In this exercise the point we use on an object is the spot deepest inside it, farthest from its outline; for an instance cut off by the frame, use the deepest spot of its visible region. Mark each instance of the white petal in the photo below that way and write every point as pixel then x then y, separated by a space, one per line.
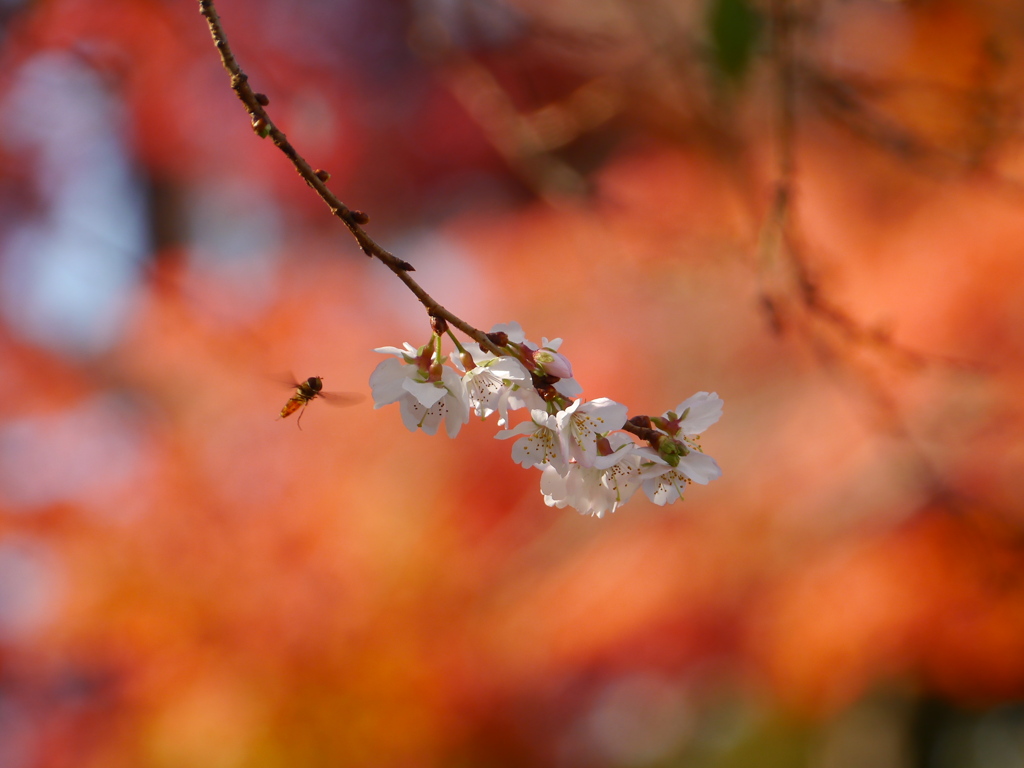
pixel 386 382
pixel 553 486
pixel 390 351
pixel 455 405
pixel 568 388
pixel 413 413
pixel 621 453
pixel 611 414
pixel 525 396
pixel 699 467
pixel 705 410
pixel 624 480
pixel 426 393
pixel 513 330
pixel 523 428
pixel 539 448
pixel 430 419
pixel 665 488
pixel 509 369
pixel 453 382
pixel 453 420
pixel 553 345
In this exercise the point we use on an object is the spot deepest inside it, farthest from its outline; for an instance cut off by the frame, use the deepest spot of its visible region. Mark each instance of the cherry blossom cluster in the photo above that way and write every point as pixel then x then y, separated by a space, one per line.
pixel 585 450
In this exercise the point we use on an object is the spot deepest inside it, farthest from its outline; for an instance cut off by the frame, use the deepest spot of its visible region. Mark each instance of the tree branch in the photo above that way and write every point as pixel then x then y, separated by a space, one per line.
pixel 255 105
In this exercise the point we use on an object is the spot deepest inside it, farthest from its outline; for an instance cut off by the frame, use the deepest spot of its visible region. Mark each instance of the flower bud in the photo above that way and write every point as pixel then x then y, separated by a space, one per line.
pixel 671 451
pixel 641 421
pixel 553 363
pixel 261 127
pixel 424 357
pixel 499 339
pixel 262 100
pixel 321 174
pixel 669 424
pixel 438 325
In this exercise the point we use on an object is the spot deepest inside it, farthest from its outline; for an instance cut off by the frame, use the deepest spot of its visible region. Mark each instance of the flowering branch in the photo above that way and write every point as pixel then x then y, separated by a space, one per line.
pixel 586 459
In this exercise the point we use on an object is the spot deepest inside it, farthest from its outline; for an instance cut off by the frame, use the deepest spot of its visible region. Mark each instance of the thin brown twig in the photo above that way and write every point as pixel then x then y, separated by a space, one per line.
pixel 780 247
pixel 264 126
pixel 510 132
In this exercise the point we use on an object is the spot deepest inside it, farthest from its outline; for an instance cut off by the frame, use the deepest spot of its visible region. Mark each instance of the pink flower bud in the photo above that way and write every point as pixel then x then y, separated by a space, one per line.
pixel 553 363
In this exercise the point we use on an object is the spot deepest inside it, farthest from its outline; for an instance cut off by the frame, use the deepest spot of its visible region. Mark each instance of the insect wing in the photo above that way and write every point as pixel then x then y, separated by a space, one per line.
pixel 341 399
pixel 289 380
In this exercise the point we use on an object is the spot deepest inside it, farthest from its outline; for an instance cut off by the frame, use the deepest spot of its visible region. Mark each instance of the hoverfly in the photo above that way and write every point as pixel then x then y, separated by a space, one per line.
pixel 307 391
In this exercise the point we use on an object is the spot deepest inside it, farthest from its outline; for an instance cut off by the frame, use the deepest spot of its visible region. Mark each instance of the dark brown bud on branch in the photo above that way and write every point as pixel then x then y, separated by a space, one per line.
pixel 262 100
pixel 544 382
pixel 498 339
pixel 261 127
pixel 321 174
pixel 360 218
pixel 438 324
pixel 643 422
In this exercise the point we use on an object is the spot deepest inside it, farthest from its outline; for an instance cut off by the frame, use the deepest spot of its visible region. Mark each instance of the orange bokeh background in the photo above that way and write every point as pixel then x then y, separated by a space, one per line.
pixel 187 581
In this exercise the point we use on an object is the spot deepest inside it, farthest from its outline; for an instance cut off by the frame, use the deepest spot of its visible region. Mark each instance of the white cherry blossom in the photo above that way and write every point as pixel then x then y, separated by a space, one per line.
pixel 664 484
pixel 519 397
pixel 426 391
pixel 582 423
pixel 545 357
pixel 388 379
pixel 491 385
pixel 452 406
pixel 539 442
pixel 600 488
pixel 568 388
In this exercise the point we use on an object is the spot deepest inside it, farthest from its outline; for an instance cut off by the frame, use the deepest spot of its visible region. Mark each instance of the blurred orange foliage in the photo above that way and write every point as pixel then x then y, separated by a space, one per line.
pixel 186 581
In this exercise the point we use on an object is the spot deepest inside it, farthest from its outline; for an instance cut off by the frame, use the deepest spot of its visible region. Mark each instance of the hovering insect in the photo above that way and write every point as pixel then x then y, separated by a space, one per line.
pixel 307 391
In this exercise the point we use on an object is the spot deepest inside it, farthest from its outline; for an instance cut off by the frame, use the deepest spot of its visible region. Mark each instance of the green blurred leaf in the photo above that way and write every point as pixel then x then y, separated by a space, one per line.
pixel 734 27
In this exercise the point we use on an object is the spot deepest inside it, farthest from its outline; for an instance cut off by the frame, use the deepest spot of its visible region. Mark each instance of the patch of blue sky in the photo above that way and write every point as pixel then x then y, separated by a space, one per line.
pixel 67 272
